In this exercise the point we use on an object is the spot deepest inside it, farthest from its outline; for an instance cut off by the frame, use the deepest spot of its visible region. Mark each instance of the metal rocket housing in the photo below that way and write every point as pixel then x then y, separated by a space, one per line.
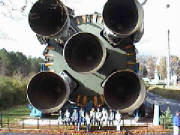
pixel 89 58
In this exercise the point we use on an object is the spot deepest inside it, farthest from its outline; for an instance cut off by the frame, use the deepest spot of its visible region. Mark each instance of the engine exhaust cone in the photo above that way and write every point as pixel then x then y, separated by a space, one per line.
pixel 49 18
pixel 48 92
pixel 123 17
pixel 124 91
pixel 84 52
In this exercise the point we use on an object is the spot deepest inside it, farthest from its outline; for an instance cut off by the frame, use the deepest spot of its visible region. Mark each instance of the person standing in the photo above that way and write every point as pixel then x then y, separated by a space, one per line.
pixel 118 120
pixel 88 122
pixel 104 117
pixel 60 119
pixel 67 117
pixel 111 118
pixel 81 118
pixel 98 117
pixel 74 117
pixel 93 116
pixel 176 123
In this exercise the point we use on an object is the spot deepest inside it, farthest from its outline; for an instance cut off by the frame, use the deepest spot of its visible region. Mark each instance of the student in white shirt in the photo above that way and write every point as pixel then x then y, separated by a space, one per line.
pixel 74 117
pixel 111 118
pixel 98 117
pixel 118 120
pixel 93 116
pixel 67 119
pixel 88 121
pixel 104 118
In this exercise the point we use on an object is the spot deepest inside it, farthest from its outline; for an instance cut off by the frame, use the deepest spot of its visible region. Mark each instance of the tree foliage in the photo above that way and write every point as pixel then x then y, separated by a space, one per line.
pixel 149 64
pixel 166 119
pixel 12 63
pixel 162 68
pixel 12 91
pixel 15 70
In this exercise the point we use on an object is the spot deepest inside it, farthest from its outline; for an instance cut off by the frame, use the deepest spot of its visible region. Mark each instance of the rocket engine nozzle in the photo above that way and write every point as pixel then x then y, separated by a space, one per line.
pixel 48 92
pixel 124 91
pixel 123 17
pixel 49 18
pixel 84 53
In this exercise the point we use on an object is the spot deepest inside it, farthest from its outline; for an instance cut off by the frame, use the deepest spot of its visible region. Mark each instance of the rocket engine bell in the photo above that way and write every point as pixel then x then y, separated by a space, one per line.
pixel 84 52
pixel 123 19
pixel 49 18
pixel 49 91
pixel 124 91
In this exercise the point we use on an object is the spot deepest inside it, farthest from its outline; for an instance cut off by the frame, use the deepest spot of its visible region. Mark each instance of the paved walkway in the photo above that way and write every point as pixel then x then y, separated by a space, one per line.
pixel 88 133
pixel 164 103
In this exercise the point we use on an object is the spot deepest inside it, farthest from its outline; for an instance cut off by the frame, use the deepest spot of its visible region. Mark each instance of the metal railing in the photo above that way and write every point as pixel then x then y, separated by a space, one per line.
pixel 22 122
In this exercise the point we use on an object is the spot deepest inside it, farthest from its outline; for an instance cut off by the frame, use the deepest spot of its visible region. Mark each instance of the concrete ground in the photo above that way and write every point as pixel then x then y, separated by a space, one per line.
pixel 126 122
pixel 163 102
pixel 9 133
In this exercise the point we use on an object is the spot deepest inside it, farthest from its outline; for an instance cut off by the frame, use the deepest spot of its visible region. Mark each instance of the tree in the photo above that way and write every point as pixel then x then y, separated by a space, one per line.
pixel 162 68
pixel 144 71
pixel 12 63
pixel 147 66
pixel 174 65
pixel 5 63
pixel 151 66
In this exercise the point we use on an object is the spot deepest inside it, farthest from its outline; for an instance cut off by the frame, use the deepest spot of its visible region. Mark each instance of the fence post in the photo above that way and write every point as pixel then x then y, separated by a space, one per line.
pixel 49 124
pixel 22 123
pixel 58 124
pixel 1 120
pixel 37 123
pixel 123 121
pixel 163 124
pixel 8 122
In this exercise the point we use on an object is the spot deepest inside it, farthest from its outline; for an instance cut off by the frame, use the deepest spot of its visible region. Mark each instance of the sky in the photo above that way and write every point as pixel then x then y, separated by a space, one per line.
pixel 157 20
pixel 16 35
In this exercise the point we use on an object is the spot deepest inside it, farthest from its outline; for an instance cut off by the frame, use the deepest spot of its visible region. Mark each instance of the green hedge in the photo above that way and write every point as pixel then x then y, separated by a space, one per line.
pixel 12 91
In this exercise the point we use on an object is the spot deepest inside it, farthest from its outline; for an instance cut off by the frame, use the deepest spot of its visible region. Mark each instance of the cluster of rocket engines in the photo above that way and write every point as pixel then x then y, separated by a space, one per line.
pixel 88 56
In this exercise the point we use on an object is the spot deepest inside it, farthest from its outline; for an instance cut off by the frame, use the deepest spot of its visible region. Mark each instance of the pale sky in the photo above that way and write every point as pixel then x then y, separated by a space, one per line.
pixel 157 20
pixel 16 35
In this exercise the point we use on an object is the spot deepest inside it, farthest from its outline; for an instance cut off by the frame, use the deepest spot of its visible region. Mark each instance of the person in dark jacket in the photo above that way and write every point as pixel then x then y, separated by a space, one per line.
pixel 81 118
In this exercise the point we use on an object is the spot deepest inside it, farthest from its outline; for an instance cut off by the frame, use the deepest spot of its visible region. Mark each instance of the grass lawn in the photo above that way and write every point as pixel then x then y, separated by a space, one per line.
pixel 165 92
pixel 14 113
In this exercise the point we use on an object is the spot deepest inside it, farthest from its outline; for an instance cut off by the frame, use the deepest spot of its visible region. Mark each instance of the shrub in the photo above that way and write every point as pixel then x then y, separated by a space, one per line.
pixel 166 119
pixel 12 91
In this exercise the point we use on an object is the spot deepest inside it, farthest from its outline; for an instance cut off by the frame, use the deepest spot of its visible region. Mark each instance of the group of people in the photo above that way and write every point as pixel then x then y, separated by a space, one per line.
pixel 93 118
